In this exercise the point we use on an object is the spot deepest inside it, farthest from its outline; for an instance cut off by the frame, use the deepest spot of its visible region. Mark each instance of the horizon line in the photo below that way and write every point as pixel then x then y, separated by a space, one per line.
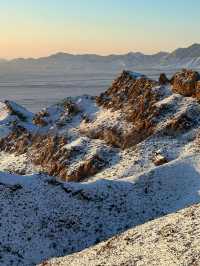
pixel 94 54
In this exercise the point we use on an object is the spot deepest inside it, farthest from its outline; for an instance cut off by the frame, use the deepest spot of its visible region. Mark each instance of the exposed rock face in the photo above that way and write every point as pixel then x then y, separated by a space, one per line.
pixel 40 118
pixel 179 124
pixel 133 109
pixel 113 136
pixel 185 82
pixel 135 98
pixel 16 141
pixel 198 90
pixel 163 80
pixel 88 168
pixel 71 107
pixel 126 90
pixel 44 150
pixel 159 159
pixel 48 152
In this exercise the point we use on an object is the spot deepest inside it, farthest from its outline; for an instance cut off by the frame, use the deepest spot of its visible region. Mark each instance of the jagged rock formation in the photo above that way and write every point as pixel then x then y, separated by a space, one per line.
pixel 137 106
pixel 163 80
pixel 133 95
pixel 186 82
pixel 134 152
pixel 45 147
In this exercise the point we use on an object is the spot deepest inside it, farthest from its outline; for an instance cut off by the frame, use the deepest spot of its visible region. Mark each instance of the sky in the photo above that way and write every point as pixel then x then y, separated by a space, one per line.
pixel 34 28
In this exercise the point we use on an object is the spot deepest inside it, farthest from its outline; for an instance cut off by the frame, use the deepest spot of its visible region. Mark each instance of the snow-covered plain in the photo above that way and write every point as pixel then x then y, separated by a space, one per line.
pixel 36 91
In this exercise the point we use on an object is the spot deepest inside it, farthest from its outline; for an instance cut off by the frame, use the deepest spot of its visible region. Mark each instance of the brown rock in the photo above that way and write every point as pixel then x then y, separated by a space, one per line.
pixel 39 121
pixel 178 125
pixel 184 82
pixel 198 90
pixel 88 168
pixel 135 98
pixel 159 159
pixel 163 80
pixel 70 107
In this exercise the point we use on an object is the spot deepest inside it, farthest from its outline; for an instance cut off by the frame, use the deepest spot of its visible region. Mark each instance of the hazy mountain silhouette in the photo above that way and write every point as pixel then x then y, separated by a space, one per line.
pixel 65 62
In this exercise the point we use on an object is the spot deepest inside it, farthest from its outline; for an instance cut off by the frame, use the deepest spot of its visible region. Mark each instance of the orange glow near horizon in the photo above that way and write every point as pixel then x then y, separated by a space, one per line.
pixel 35 28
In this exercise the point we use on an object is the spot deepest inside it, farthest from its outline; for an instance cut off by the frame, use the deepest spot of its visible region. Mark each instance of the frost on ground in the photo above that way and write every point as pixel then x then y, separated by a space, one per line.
pixel 132 154
pixel 49 219
pixel 172 240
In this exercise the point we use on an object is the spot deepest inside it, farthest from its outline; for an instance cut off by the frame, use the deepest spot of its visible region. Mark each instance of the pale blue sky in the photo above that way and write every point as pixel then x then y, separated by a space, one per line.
pixel 39 27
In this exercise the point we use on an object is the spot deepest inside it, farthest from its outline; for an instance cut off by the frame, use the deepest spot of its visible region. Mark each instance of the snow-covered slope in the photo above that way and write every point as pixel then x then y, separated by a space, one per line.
pixel 41 218
pixel 132 154
pixel 172 240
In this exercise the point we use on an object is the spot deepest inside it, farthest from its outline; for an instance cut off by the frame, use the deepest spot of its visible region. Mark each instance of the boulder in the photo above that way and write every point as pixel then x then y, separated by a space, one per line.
pixel 159 159
pixel 39 121
pixel 185 82
pixel 86 169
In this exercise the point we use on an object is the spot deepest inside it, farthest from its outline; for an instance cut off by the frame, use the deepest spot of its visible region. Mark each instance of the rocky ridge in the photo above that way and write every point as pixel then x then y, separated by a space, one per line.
pixel 86 133
pixel 129 156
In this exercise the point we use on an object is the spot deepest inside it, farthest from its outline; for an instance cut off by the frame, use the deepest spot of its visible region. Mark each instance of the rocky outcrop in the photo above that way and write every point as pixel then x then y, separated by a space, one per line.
pixel 163 80
pixel 70 107
pixel 112 136
pixel 40 119
pixel 17 141
pixel 86 169
pixel 129 112
pixel 185 82
pixel 134 96
pixel 159 159
pixel 125 90
pixel 179 124
pixel 60 115
pixel 49 153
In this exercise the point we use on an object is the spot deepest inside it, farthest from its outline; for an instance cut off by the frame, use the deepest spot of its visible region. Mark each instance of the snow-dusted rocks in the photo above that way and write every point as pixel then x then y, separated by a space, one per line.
pixel 133 153
pixel 42 219
pixel 77 138
pixel 163 80
pixel 133 109
pixel 135 98
pixel 185 82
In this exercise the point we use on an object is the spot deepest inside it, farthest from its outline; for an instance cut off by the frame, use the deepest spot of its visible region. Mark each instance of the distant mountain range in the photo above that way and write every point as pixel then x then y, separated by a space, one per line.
pixel 63 62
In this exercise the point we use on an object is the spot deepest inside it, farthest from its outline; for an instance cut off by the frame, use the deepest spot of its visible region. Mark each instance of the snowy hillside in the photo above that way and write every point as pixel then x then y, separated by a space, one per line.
pixel 88 168
pixel 172 240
